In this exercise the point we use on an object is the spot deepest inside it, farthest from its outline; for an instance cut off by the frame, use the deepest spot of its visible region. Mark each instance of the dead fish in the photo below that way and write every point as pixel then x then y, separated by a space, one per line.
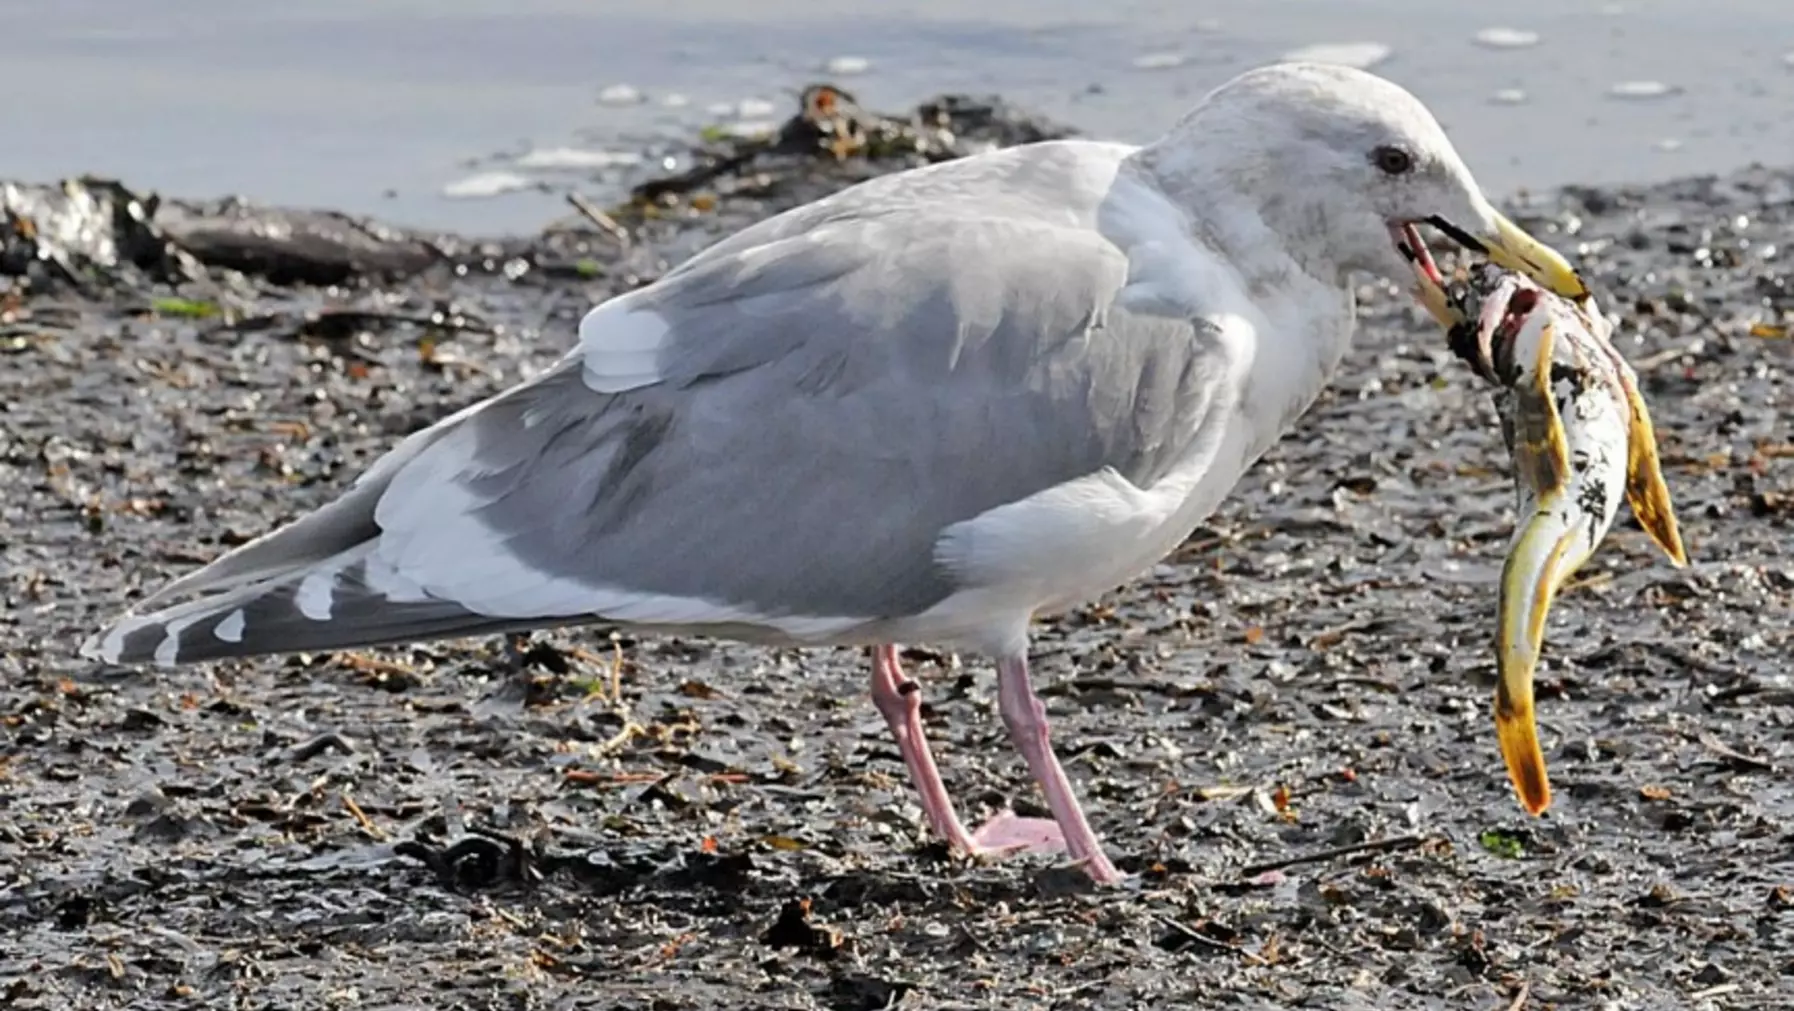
pixel 1580 439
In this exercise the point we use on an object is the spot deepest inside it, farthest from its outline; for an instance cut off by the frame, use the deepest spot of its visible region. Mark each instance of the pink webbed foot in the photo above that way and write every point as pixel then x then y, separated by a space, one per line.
pixel 1010 833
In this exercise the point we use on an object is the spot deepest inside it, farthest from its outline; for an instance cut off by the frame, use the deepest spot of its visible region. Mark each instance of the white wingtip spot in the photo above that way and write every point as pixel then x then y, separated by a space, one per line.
pixel 620 346
pixel 231 628
pixel 316 593
pixel 168 650
pixel 386 580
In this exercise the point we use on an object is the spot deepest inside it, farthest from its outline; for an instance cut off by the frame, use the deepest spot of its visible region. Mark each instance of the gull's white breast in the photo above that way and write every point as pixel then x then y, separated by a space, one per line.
pixel 1274 351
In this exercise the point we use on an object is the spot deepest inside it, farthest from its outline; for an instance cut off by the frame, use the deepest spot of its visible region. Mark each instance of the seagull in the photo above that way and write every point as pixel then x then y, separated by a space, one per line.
pixel 926 408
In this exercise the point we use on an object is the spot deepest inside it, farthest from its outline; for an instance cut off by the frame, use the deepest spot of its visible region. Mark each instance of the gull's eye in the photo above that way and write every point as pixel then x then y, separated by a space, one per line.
pixel 1392 160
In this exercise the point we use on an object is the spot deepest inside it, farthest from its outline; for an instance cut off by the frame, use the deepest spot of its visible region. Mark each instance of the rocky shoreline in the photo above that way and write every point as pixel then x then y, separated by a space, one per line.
pixel 1284 730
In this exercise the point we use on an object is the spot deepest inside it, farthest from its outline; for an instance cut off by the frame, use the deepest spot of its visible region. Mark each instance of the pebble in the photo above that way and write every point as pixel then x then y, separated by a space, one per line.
pixel 619 94
pixel 577 158
pixel 486 184
pixel 1351 54
pixel 1508 96
pixel 1159 61
pixel 1640 89
pixel 1507 38
pixel 750 128
pixel 845 66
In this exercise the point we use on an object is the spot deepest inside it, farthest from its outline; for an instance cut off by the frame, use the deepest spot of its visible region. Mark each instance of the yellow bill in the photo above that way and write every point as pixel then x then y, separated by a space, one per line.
pixel 1509 247
pixel 1505 244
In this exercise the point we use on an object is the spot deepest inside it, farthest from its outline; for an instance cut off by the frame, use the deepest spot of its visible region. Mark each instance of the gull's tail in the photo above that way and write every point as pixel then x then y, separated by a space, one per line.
pixel 313 585
pixel 341 602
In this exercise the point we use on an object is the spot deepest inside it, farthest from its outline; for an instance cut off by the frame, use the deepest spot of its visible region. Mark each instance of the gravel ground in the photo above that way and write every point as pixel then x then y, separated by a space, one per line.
pixel 1284 730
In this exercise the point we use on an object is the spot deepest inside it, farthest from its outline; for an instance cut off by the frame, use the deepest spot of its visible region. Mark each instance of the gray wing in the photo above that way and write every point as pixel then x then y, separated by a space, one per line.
pixel 806 413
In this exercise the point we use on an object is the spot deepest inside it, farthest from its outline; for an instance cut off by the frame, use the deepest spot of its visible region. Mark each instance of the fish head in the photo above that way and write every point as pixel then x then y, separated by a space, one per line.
pixel 1498 312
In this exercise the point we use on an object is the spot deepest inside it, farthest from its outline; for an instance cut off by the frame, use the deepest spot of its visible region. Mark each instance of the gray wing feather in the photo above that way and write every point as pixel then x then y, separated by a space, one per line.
pixel 838 386
pixel 817 430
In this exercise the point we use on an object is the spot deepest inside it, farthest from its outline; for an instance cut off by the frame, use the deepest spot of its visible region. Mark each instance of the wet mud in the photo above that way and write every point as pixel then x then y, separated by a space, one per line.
pixel 1283 732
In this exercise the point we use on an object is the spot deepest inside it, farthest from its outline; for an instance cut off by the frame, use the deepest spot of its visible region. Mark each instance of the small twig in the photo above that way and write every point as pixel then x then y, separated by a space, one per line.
pixel 364 664
pixel 1731 754
pixel 587 777
pixel 1592 581
pixel 631 730
pixel 1195 547
pixel 1663 357
pixel 509 917
pixel 614 664
pixel 1206 941
pixel 1715 991
pixel 1329 637
pixel 1693 661
pixel 1400 842
pixel 597 217
pixel 1375 684
pixel 1520 998
pixel 367 823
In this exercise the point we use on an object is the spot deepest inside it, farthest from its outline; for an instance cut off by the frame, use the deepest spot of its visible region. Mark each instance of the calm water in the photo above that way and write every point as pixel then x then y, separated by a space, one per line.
pixel 378 105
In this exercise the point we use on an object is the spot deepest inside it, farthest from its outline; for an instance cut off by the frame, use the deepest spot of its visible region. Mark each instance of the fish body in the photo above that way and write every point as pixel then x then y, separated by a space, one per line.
pixel 1581 440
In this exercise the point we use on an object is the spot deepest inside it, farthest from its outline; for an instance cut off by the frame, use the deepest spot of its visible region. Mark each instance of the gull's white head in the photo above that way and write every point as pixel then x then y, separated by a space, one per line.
pixel 1346 164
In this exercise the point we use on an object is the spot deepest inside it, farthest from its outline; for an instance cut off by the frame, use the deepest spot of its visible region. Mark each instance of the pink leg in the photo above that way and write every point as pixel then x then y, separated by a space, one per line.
pixel 1025 716
pixel 899 700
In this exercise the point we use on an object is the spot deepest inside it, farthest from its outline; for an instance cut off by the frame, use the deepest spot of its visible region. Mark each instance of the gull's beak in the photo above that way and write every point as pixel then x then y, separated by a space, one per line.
pixel 1509 247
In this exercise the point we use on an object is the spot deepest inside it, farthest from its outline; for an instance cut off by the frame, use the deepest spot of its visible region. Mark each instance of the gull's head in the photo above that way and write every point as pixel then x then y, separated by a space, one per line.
pixel 1352 164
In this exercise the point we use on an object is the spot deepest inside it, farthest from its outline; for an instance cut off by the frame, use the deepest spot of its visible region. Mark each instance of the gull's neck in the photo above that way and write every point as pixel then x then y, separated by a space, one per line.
pixel 1228 190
